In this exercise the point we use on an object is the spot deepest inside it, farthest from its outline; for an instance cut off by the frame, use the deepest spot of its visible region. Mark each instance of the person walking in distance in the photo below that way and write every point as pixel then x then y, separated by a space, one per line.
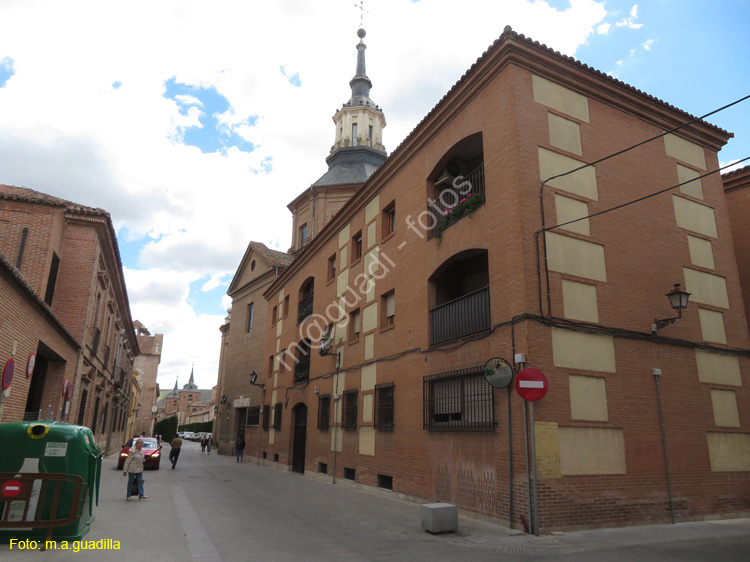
pixel 209 443
pixel 133 469
pixel 204 442
pixel 239 446
pixel 174 454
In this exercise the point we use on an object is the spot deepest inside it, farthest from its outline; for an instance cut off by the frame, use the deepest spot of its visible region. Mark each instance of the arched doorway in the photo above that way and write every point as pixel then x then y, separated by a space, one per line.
pixel 300 438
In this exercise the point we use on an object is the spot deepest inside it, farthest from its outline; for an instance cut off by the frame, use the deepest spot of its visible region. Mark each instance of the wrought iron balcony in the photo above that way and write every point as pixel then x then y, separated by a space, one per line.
pixel 305 308
pixel 302 371
pixel 460 317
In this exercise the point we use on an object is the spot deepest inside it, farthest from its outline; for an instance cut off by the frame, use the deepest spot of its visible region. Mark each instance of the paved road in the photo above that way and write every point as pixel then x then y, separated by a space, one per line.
pixel 212 509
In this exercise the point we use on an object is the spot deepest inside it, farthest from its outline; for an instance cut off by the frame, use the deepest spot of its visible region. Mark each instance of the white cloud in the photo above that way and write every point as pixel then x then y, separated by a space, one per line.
pixel 630 22
pixel 119 148
pixel 603 29
pixel 648 44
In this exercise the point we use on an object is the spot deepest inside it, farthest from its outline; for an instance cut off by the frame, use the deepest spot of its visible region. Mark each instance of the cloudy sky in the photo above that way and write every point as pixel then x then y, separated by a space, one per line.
pixel 194 123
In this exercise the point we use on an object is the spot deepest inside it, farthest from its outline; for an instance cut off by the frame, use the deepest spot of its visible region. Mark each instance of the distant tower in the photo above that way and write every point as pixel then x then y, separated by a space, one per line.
pixel 191 383
pixel 360 122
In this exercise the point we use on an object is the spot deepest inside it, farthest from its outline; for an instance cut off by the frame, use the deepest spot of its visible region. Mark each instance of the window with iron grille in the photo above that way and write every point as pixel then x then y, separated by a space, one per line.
pixel 324 411
pixel 253 415
pixel 350 409
pixel 266 414
pixel 458 401
pixel 384 406
pixel 277 416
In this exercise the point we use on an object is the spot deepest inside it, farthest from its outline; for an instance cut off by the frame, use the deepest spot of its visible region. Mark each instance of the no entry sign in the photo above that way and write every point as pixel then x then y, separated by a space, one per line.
pixel 10 365
pixel 531 384
pixel 11 488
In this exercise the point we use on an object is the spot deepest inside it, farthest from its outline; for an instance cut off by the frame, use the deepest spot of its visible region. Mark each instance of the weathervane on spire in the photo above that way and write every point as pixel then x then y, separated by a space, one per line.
pixel 361 7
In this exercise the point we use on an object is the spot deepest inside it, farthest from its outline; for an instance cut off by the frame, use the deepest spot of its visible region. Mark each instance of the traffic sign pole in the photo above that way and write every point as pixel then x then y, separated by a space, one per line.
pixel 536 480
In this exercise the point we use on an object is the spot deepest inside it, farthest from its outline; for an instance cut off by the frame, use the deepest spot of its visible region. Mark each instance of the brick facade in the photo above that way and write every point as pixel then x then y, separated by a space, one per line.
pixel 424 310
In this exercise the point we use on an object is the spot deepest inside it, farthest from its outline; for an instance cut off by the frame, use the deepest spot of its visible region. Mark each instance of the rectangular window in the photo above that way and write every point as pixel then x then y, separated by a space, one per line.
pixel 250 311
pixel 323 467
pixel 253 415
pixel 384 406
pixel 458 401
pixel 388 308
pixel 324 411
pixel 274 315
pixel 270 365
pixel 82 407
pixel 354 319
pixel 286 306
pixel 96 414
pixel 389 219
pixel 303 235
pixel 266 415
pixel 354 134
pixel 277 416
pixel 369 132
pixel 385 481
pixel 332 267
pixel 52 279
pixel 349 474
pixel 350 409
pixel 357 246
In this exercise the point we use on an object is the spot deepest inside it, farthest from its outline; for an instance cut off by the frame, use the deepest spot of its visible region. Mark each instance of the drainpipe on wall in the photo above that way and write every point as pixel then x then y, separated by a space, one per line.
pixel 657 376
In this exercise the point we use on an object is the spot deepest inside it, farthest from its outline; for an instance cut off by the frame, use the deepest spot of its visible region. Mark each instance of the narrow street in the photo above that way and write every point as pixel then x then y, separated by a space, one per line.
pixel 212 509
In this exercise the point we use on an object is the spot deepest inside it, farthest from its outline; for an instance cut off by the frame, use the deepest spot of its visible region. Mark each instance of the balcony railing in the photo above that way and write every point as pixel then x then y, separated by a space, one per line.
pixel 302 371
pixel 305 308
pixel 460 317
pixel 453 203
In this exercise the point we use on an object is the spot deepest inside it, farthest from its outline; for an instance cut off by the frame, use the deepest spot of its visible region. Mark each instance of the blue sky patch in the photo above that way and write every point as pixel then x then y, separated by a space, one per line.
pixel 116 85
pixel 214 134
pixel 206 302
pixel 294 79
pixel 6 70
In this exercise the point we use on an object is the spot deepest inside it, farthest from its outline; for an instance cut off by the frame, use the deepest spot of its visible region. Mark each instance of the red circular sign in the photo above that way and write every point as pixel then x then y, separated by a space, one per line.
pixel 531 384
pixel 12 488
pixel 10 365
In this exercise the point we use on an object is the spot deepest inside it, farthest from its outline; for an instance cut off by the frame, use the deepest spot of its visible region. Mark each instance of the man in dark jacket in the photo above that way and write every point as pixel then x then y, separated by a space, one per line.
pixel 239 446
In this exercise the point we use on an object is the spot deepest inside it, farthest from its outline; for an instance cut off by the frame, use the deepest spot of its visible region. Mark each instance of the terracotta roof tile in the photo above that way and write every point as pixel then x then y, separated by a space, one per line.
pixel 273 257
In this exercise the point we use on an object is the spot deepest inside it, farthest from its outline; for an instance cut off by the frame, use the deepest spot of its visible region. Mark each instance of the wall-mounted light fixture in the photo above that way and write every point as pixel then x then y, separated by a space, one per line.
pixel 678 298
pixel 254 380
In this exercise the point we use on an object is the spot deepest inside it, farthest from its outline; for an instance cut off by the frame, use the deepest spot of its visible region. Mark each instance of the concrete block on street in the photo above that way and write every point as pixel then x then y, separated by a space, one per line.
pixel 439 518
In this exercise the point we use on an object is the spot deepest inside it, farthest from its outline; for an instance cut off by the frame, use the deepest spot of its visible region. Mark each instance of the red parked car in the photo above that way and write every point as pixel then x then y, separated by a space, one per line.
pixel 151 452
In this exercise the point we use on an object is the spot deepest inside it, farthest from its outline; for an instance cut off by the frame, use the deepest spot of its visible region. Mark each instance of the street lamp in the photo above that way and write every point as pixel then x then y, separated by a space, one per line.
pixel 678 299
pixel 254 382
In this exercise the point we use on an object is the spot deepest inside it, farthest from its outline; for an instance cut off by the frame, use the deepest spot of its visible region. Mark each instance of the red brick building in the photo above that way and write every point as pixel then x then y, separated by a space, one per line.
pixel 485 235
pixel 737 192
pixel 66 260
pixel 146 366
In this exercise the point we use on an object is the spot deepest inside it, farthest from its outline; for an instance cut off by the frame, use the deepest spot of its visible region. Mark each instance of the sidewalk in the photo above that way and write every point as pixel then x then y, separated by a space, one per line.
pixel 214 509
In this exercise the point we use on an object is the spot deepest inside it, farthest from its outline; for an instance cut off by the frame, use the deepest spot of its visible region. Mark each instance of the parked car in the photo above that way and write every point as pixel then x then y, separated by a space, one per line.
pixel 151 452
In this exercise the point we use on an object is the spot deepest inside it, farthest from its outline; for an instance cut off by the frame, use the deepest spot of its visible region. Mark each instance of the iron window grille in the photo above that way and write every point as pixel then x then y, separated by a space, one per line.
pixel 253 415
pixel 324 411
pixel 350 409
pixel 459 400
pixel 384 406
pixel 277 416
pixel 266 414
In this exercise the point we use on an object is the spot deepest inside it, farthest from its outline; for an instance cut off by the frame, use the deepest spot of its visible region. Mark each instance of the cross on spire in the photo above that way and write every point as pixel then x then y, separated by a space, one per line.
pixel 361 8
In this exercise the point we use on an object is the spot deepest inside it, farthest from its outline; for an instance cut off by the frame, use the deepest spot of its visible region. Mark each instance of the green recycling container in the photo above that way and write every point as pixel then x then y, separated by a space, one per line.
pixel 47 448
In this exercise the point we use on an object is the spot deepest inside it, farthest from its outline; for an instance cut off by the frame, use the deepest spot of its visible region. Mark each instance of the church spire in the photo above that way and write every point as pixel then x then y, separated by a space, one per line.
pixel 192 378
pixel 360 84
pixel 175 382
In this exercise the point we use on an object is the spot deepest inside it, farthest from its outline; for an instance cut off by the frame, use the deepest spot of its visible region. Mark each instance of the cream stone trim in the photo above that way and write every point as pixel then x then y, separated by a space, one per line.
pixel 693 216
pixel 582 182
pixel 560 98
pixel 684 150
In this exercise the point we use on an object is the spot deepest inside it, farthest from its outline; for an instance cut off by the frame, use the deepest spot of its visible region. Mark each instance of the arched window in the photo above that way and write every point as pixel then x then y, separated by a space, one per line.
pixel 306 294
pixel 459 297
pixel 455 187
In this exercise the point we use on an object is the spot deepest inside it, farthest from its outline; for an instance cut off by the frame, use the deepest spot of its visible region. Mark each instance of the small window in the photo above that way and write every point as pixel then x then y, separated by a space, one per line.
pixel 384 406
pixel 354 321
pixel 52 279
pixel 357 246
pixel 369 132
pixel 458 401
pixel 323 468
pixel 389 219
pixel 270 365
pixel 354 134
pixel 275 457
pixel 388 307
pixel 349 474
pixel 250 312
pixel 253 415
pixel 332 267
pixel 385 481
pixel 277 416
pixel 350 409
pixel 266 415
pixel 252 265
pixel 303 235
pixel 274 315
pixel 324 411
pixel 286 306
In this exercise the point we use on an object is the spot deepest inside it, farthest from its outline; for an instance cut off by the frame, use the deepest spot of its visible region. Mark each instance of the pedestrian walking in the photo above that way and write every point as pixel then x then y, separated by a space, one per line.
pixel 239 446
pixel 133 469
pixel 158 438
pixel 209 444
pixel 204 442
pixel 174 454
